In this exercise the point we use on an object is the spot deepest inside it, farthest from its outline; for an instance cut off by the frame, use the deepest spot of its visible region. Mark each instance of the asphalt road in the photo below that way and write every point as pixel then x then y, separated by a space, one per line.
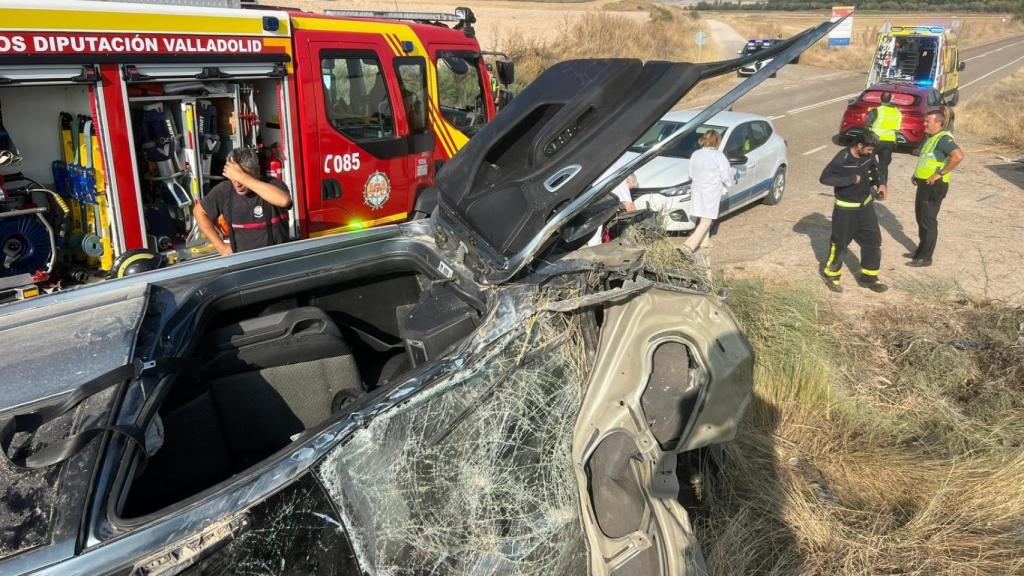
pixel 806 105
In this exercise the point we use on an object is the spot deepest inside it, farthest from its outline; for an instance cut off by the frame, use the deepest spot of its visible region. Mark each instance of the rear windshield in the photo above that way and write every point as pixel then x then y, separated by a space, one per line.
pixel 753 47
pixel 898 98
pixel 682 149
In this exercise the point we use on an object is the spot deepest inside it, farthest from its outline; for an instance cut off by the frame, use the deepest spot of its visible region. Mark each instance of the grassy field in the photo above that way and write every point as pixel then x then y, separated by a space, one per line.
pixel 666 35
pixel 996 113
pixel 975 30
pixel 885 443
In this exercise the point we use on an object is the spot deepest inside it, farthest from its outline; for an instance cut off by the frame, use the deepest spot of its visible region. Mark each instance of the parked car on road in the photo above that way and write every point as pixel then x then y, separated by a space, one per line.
pixel 915 102
pixel 465 394
pixel 755 47
pixel 754 148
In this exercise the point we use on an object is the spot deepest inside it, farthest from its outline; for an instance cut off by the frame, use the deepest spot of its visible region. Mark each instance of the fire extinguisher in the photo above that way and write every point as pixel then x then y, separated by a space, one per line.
pixel 275 165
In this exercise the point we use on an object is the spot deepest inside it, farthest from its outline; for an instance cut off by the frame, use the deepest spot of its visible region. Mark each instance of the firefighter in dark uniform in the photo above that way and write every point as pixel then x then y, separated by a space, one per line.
pixel 854 174
pixel 885 120
pixel 939 155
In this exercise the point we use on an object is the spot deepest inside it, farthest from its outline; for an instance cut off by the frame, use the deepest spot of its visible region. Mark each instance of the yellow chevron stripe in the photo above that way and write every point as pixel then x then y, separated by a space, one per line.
pixel 396 43
pixel 442 133
pixel 391 44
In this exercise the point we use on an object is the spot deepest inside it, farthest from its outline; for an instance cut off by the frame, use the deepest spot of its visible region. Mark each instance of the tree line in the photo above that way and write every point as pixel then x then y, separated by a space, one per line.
pixel 1015 7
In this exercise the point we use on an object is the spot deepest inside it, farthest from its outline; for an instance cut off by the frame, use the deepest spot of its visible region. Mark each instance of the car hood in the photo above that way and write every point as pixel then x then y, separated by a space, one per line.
pixel 662 172
pixel 535 171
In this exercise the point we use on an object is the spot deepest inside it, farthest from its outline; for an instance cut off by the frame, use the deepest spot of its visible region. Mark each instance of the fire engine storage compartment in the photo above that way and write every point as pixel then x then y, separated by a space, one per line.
pixel 284 358
pixel 185 120
pixel 35 230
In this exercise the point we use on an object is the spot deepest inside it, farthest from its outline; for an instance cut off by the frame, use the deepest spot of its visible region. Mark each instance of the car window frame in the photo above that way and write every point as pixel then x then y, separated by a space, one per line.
pixel 474 60
pixel 421 63
pixel 335 55
pixel 732 133
pixel 767 135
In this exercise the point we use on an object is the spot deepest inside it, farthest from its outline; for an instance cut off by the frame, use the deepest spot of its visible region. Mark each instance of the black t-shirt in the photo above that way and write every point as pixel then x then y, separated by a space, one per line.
pixel 254 222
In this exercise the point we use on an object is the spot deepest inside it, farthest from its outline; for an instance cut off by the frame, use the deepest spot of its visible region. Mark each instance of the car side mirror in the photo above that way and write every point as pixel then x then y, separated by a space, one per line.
pixel 961 66
pixel 504 98
pixel 738 159
pixel 506 71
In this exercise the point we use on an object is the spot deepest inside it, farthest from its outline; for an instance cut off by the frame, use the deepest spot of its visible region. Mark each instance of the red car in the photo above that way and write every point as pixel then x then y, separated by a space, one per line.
pixel 913 101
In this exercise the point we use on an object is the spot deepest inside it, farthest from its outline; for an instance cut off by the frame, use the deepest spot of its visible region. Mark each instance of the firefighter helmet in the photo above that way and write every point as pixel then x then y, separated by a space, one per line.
pixel 136 261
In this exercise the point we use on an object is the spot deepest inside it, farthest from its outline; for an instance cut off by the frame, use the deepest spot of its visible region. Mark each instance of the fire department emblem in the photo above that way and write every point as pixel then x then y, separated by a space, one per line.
pixel 377 190
pixel 257 211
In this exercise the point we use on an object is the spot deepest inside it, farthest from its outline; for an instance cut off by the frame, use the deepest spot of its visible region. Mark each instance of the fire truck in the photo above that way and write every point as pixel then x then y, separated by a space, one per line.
pixel 116 118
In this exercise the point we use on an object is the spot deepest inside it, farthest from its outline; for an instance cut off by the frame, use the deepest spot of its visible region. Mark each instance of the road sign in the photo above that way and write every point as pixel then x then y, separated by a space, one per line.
pixel 842 34
pixel 700 38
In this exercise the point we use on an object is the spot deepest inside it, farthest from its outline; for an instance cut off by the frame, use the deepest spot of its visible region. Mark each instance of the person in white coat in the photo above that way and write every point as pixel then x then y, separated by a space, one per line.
pixel 710 176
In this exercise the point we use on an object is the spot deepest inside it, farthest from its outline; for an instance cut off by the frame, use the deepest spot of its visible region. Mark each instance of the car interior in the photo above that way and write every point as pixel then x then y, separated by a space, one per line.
pixel 270 370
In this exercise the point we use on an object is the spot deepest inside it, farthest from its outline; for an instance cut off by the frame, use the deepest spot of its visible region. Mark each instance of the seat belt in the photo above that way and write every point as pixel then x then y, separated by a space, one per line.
pixel 62 450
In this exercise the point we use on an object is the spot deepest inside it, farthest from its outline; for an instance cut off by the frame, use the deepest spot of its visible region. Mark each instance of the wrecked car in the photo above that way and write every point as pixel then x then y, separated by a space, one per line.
pixel 470 394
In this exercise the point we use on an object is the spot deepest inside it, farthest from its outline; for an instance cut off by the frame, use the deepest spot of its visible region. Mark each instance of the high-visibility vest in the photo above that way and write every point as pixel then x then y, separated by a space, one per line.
pixel 888 120
pixel 927 163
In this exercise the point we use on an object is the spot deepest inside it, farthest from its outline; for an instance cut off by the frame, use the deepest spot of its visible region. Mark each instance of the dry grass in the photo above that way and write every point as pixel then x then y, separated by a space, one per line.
pixel 883 444
pixel 997 112
pixel 603 35
pixel 668 36
pixel 975 30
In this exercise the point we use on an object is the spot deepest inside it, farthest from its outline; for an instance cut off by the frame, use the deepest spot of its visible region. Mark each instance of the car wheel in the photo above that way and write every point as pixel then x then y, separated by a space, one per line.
pixel 778 187
pixel 954 98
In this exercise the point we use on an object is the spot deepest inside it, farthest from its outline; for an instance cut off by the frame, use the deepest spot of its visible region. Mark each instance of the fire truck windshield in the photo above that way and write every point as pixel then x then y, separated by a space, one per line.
pixel 460 90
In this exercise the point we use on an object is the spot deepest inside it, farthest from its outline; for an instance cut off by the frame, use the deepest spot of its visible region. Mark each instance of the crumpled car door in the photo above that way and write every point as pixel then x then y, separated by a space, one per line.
pixel 674 373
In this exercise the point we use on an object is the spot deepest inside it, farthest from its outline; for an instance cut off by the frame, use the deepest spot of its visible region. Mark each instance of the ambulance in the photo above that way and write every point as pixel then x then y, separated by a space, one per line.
pixel 925 56
pixel 116 118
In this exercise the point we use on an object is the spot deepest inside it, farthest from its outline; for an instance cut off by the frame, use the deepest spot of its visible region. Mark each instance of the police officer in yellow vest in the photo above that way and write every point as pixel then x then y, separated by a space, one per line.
pixel 938 157
pixel 885 121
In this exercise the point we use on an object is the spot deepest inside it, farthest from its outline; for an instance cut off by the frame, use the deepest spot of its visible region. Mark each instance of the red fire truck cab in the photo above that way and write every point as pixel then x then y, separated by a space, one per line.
pixel 115 119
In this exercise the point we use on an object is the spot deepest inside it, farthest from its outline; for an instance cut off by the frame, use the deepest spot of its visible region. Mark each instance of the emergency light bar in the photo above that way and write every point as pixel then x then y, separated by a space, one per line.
pixel 460 15
pixel 932 29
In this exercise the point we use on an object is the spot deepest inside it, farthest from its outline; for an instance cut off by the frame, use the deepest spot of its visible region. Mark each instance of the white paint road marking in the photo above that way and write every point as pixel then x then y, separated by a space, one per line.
pixel 979 79
pixel 776 117
pixel 824 103
pixel 1000 49
pixel 818 149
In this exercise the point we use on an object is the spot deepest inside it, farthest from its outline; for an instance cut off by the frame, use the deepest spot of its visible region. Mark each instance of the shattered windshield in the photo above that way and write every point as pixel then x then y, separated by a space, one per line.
pixel 474 476
pixel 684 148
pixel 460 91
